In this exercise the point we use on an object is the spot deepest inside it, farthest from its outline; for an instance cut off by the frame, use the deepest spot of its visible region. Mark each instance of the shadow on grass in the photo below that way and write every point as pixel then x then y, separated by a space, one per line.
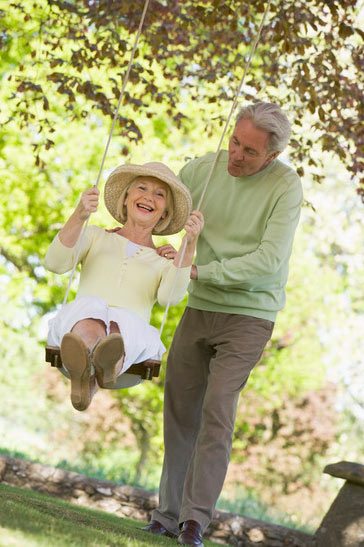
pixel 49 521
pixel 30 518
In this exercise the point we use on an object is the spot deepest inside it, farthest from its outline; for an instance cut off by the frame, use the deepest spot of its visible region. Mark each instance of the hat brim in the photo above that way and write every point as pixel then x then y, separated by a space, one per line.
pixel 123 175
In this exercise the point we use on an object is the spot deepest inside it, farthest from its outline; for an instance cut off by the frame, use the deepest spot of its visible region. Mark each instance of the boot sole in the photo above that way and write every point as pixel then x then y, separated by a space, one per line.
pixel 105 358
pixel 75 357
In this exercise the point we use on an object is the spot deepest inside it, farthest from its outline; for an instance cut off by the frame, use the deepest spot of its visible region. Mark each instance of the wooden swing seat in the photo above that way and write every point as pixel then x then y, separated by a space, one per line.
pixel 147 370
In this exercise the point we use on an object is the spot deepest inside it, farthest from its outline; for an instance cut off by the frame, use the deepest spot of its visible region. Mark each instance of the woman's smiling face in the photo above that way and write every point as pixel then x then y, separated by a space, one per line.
pixel 146 201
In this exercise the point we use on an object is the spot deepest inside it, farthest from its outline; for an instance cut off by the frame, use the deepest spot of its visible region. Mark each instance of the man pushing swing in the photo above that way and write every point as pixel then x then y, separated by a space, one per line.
pixel 251 210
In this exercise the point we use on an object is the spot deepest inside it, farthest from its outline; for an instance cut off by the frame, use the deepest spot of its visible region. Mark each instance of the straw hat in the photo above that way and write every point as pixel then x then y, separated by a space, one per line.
pixel 117 184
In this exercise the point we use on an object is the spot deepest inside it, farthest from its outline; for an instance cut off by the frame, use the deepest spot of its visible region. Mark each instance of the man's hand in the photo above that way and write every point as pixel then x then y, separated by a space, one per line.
pixel 168 251
pixel 112 230
pixel 194 273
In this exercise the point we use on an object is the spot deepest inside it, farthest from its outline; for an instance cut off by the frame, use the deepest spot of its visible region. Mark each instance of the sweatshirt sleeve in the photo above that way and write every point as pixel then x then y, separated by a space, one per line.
pixel 60 259
pixel 186 173
pixel 274 249
pixel 173 285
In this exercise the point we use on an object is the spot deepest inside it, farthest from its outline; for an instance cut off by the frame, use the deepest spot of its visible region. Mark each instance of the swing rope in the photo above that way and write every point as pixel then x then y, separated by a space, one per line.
pixel 153 367
pixel 233 107
pixel 227 123
pixel 121 96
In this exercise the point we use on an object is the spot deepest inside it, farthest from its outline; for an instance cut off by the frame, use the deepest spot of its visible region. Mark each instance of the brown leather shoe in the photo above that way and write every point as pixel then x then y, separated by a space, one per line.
pixel 155 527
pixel 191 534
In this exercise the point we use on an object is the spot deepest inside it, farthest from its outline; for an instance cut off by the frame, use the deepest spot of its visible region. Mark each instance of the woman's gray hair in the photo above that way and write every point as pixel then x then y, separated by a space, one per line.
pixel 270 118
pixel 163 223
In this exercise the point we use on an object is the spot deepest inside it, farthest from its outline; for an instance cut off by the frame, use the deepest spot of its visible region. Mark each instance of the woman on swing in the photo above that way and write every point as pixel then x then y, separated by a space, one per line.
pixel 106 328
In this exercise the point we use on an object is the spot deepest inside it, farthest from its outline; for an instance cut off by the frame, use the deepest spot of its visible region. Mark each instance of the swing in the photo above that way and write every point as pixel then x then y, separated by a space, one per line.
pixel 149 369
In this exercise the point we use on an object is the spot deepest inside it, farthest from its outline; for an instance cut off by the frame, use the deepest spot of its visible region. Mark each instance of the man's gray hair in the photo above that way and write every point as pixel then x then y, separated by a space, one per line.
pixel 268 117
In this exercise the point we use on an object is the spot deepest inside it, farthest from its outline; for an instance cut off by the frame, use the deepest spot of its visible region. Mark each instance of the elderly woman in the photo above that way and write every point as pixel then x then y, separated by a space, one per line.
pixel 106 328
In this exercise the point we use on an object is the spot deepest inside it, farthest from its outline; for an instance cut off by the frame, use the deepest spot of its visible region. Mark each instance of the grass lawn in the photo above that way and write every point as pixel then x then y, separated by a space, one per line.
pixel 31 519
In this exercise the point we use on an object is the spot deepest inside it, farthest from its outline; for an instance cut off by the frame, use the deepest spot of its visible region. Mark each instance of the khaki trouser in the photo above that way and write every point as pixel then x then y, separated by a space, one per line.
pixel 210 360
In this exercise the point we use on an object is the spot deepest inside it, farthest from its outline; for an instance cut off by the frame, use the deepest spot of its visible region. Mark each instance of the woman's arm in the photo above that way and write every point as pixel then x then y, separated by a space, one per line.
pixel 193 227
pixel 175 280
pixel 88 204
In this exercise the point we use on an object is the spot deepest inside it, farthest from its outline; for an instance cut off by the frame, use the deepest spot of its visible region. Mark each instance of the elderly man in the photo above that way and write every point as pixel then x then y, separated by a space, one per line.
pixel 251 207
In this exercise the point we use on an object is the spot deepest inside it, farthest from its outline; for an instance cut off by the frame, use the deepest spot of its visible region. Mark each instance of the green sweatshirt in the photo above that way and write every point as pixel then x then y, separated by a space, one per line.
pixel 243 251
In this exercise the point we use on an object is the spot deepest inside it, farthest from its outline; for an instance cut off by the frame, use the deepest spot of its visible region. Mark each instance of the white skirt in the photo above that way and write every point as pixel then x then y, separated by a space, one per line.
pixel 141 340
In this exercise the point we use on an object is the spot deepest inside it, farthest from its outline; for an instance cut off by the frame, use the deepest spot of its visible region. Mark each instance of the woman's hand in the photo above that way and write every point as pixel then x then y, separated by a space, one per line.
pixel 113 230
pixel 88 203
pixel 168 251
pixel 194 226
pixel 72 229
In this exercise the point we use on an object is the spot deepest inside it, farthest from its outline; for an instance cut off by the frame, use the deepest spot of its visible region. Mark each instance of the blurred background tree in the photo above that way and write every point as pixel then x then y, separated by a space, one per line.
pixel 62 65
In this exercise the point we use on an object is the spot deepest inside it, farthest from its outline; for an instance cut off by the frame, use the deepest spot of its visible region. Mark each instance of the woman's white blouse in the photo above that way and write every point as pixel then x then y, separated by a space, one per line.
pixel 133 281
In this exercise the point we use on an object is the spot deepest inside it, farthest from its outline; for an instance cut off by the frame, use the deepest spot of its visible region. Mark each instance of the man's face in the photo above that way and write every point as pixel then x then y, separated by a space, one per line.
pixel 248 150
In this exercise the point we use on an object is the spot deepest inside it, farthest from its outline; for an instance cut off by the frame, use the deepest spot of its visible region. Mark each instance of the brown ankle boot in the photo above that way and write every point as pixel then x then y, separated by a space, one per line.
pixel 107 359
pixel 76 359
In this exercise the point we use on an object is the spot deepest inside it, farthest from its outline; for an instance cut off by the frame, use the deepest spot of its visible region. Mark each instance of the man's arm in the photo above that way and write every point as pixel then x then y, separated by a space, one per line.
pixel 267 259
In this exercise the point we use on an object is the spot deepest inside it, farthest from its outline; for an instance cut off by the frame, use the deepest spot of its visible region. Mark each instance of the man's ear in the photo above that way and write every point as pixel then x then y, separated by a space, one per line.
pixel 274 155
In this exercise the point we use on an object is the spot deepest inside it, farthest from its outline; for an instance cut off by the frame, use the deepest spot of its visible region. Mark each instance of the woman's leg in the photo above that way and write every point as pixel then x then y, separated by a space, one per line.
pixel 76 329
pixel 114 328
pixel 90 330
pixel 77 360
pixel 108 357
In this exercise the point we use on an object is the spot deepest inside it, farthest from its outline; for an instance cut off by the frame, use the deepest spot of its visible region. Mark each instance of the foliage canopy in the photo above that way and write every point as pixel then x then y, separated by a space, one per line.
pixel 309 59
